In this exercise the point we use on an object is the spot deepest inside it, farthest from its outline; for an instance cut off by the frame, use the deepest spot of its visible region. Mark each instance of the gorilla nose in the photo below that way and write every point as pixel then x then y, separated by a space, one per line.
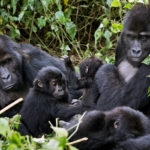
pixel 136 52
pixel 6 76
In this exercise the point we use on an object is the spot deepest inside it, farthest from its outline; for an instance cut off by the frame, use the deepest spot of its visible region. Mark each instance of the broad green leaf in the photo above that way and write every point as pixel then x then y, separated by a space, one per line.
pixel 34 29
pixel 98 33
pixel 14 138
pixel 60 132
pixel 60 16
pixel 105 22
pixel 14 122
pixel 115 3
pixel 4 127
pixel 72 148
pixel 53 144
pixel 13 4
pixel 107 34
pixel 66 2
pixel 116 27
pixel 41 22
pixel 21 15
pixel 71 29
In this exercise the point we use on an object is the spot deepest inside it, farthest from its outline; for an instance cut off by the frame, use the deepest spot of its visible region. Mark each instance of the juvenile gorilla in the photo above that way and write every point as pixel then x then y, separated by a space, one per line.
pixel 127 82
pixel 46 101
pixel 106 130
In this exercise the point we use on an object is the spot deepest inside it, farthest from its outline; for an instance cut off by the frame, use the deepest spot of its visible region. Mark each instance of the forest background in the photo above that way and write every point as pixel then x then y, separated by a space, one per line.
pixel 78 28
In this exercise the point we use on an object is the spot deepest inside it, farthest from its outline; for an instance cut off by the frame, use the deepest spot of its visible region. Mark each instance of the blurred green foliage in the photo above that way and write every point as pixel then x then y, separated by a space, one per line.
pixel 79 27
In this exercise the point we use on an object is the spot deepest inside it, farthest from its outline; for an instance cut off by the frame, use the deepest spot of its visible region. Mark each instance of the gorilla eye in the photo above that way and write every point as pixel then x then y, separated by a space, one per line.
pixel 8 60
pixel 54 82
pixel 116 124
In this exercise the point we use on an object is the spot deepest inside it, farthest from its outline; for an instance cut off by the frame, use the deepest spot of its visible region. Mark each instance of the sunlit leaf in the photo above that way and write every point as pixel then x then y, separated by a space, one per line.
pixel 4 126
pixel 115 3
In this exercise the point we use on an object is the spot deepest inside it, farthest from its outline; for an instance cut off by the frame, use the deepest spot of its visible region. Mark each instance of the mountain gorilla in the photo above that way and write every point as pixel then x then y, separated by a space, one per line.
pixel 88 68
pixel 46 101
pixel 106 130
pixel 19 64
pixel 127 82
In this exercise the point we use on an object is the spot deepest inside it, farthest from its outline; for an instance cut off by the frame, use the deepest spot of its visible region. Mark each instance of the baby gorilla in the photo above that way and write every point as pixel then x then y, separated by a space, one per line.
pixel 47 100
pixel 105 130
pixel 88 68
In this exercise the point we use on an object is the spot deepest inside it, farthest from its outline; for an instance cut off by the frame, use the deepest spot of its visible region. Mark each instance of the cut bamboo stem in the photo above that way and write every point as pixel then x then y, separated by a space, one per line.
pixel 78 141
pixel 11 105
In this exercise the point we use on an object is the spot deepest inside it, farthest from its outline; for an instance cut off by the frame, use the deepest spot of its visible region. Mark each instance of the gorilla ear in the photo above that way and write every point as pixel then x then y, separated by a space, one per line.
pixel 38 83
pixel 116 123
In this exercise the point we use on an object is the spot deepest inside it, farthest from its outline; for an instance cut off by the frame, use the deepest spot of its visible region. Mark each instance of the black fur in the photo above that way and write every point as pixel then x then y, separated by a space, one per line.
pixel 127 82
pixel 141 143
pixel 105 130
pixel 46 103
pixel 23 66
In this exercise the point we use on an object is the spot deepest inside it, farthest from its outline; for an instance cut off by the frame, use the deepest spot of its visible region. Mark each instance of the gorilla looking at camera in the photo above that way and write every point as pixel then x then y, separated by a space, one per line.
pixel 19 64
pixel 46 101
pixel 127 82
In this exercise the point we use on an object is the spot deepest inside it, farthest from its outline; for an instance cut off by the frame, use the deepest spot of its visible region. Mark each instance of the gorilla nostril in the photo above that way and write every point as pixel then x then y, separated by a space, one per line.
pixel 135 51
pixel 8 76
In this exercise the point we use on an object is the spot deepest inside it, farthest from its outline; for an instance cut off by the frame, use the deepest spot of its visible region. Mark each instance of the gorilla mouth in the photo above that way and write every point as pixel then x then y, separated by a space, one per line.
pixel 9 87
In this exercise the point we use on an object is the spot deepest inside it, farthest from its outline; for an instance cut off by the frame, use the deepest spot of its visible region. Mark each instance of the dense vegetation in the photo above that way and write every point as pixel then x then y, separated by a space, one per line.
pixel 78 28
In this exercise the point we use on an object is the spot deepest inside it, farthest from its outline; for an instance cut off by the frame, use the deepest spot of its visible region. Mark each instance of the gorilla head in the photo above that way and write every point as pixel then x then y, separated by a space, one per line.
pixel 134 42
pixel 10 65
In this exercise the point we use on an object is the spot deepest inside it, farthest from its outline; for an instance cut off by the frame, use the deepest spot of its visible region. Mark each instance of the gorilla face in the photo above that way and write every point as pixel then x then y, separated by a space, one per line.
pixel 10 65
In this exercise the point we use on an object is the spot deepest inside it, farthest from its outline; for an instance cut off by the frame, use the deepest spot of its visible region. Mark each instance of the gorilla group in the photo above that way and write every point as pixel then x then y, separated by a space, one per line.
pixel 126 83
pixel 19 64
pixel 107 89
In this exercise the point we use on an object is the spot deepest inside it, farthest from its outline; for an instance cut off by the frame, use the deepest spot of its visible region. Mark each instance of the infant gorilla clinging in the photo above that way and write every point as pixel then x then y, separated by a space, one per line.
pixel 46 101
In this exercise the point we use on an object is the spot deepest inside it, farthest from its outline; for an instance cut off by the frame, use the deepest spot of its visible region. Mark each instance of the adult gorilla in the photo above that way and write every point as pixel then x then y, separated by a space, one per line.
pixel 19 64
pixel 127 82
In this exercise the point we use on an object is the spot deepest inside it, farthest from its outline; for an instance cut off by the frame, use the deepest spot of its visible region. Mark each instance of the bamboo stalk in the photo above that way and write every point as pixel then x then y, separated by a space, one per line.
pixel 78 141
pixel 11 105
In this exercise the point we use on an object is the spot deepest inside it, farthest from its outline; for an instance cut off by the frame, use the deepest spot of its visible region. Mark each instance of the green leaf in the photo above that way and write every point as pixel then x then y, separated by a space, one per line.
pixel 72 148
pixel 41 22
pixel 60 132
pixel 71 29
pixel 13 4
pixel 21 15
pixel 116 27
pixel 109 2
pixel 14 122
pixel 149 91
pixel 60 16
pixel 14 138
pixel 105 22
pixel 34 29
pixel 107 34
pixel 115 3
pixel 53 144
pixel 98 33
pixel 4 126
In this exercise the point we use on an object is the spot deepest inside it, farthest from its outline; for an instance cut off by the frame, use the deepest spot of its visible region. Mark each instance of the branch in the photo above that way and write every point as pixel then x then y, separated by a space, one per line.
pixel 11 105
